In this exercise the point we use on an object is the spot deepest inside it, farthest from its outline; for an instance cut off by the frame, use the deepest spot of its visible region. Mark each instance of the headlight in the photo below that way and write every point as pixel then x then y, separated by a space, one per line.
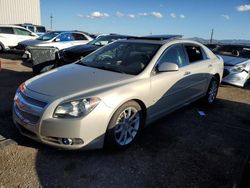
pixel 76 108
pixel 239 68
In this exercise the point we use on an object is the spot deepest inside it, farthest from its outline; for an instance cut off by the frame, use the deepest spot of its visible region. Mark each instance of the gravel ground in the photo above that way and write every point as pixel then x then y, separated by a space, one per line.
pixel 183 149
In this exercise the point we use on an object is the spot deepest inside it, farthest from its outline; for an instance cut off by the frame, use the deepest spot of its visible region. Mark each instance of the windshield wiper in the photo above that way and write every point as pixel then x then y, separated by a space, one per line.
pixel 102 67
pixel 108 68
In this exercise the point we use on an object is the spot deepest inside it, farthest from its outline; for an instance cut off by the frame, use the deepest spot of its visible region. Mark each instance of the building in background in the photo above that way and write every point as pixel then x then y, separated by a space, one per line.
pixel 20 11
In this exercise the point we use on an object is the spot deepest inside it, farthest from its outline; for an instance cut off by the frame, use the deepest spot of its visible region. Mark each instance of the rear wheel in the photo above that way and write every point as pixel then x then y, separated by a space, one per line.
pixel 212 91
pixel 124 126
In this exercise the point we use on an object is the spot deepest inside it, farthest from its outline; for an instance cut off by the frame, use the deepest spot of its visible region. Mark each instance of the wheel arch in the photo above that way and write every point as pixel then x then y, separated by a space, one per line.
pixel 217 76
pixel 139 102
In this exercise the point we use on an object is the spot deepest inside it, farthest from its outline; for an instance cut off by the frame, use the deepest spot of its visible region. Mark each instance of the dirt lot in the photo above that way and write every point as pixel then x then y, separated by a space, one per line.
pixel 183 149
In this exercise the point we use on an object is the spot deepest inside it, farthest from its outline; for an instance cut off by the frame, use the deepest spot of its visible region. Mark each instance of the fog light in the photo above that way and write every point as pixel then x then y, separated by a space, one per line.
pixel 67 141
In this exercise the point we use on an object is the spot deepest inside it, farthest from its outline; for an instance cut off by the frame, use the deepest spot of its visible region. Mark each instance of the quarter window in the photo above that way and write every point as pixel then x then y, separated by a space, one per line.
pixel 6 30
pixel 194 53
pixel 174 54
pixel 78 36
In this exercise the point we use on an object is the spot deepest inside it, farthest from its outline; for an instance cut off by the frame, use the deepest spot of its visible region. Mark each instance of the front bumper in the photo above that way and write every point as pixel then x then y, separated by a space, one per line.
pixel 235 78
pixel 86 133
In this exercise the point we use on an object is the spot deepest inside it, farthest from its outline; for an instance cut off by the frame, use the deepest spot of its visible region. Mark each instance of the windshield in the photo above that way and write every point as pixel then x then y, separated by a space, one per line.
pixel 104 40
pixel 233 50
pixel 122 56
pixel 48 36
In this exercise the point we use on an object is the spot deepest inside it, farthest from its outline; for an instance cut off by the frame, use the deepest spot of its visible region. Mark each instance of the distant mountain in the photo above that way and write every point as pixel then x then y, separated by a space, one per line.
pixel 233 41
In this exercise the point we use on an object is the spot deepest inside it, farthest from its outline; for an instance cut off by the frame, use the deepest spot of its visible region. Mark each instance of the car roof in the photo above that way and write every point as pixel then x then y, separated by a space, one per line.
pixel 16 26
pixel 155 39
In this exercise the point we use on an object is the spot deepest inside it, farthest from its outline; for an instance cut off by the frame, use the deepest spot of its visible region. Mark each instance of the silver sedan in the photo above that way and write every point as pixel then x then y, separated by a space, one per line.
pixel 236 63
pixel 107 97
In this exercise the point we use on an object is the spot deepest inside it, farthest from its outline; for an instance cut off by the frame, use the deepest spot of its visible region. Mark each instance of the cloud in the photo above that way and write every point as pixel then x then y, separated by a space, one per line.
pixel 173 15
pixel 119 14
pixel 161 5
pixel 242 8
pixel 153 14
pixel 131 15
pixel 182 16
pixel 225 16
pixel 156 14
pixel 95 14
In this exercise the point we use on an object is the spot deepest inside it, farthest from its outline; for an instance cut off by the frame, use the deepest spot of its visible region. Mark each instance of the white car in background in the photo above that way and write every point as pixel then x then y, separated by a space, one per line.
pixel 236 63
pixel 11 35
pixel 57 39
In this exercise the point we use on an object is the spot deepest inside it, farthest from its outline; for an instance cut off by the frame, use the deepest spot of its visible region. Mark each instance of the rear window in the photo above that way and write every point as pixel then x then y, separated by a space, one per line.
pixel 6 30
pixel 194 53
pixel 78 36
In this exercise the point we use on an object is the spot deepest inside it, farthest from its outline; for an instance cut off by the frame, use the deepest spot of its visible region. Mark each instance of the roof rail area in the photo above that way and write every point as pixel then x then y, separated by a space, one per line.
pixel 156 37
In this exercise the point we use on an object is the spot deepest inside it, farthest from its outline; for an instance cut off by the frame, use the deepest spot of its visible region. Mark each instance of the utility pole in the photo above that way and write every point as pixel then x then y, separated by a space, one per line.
pixel 211 39
pixel 51 22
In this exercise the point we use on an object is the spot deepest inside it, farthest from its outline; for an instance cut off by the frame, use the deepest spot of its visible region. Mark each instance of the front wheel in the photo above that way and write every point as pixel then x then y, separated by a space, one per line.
pixel 124 126
pixel 212 91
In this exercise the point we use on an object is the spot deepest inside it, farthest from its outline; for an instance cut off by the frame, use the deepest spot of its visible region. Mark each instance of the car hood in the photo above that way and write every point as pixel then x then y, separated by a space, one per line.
pixel 231 61
pixel 74 79
pixel 33 42
pixel 81 49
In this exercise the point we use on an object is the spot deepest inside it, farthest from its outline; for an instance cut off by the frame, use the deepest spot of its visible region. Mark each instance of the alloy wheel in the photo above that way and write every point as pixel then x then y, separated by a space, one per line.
pixel 213 89
pixel 127 126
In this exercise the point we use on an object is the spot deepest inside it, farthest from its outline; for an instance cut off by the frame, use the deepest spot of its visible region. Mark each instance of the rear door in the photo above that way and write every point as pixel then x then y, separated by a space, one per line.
pixel 197 70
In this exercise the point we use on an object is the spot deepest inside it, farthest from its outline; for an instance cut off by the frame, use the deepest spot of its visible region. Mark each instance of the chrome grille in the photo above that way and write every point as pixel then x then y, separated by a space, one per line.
pixel 26 117
pixel 28 110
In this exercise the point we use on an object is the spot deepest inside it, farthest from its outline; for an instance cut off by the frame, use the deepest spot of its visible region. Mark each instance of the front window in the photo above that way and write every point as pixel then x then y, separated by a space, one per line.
pixel 65 37
pixel 123 57
pixel 174 54
pixel 19 31
pixel 48 36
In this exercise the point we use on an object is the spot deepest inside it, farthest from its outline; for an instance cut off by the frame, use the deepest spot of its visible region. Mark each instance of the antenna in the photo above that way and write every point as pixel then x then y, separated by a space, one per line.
pixel 51 21
pixel 211 39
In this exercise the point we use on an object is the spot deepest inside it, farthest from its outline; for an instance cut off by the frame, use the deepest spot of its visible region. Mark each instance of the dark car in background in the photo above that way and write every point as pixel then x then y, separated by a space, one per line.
pixel 236 63
pixel 72 54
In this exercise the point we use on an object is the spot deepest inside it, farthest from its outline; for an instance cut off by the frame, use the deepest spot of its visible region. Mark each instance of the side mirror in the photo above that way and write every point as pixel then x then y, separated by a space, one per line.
pixel 168 67
pixel 57 40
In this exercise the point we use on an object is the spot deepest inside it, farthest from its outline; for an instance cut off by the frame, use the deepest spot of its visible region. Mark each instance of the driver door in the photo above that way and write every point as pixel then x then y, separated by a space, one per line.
pixel 169 90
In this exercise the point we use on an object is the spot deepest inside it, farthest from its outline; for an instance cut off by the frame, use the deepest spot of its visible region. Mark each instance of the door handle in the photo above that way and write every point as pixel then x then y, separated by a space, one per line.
pixel 210 65
pixel 187 73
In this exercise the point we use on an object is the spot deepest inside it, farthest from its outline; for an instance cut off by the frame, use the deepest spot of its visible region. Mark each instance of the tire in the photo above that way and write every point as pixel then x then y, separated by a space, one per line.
pixel 121 131
pixel 212 91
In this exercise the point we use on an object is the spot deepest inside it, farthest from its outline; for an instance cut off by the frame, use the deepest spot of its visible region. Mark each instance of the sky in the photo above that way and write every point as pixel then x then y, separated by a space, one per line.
pixel 230 19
